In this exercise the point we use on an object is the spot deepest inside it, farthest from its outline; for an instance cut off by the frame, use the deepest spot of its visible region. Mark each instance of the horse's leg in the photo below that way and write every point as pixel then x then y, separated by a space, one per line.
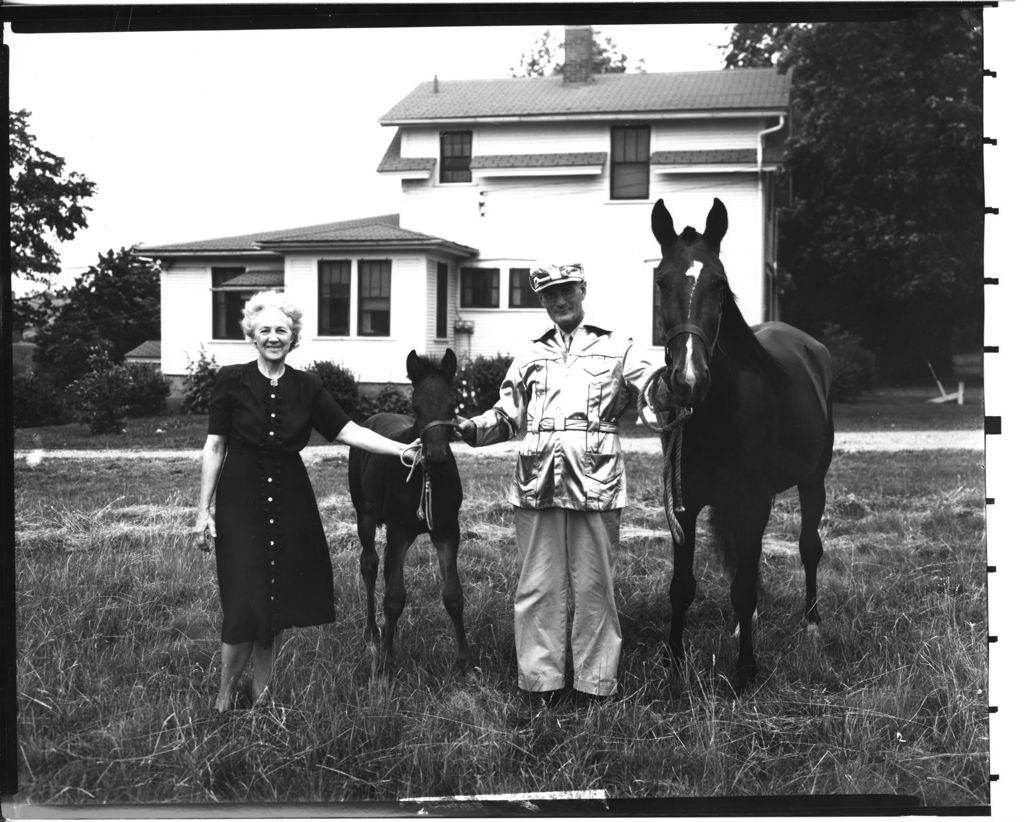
pixel 399 539
pixel 366 526
pixel 747 519
pixel 812 506
pixel 684 585
pixel 447 546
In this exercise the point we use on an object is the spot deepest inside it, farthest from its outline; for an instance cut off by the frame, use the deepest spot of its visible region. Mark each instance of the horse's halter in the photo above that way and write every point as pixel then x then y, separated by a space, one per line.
pixel 691 328
pixel 438 424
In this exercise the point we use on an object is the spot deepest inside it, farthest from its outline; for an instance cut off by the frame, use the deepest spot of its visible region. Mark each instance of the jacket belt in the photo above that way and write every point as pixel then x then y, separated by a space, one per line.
pixel 573 424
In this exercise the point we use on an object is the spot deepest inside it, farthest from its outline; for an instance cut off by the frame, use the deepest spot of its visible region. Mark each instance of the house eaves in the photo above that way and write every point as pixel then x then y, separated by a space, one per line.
pixel 409 167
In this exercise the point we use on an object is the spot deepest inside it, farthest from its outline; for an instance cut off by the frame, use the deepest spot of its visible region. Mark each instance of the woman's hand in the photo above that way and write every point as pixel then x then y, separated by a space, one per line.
pixel 410 454
pixel 205 531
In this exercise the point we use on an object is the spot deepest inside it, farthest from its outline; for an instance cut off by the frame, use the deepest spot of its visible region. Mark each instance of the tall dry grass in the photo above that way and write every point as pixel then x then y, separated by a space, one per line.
pixel 119 652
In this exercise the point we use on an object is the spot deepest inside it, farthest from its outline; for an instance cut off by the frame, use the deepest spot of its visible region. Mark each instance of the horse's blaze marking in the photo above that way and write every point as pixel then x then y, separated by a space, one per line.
pixel 689 371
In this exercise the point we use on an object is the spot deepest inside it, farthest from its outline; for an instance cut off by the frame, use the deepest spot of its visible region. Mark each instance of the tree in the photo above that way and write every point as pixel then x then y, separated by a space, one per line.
pixel 112 307
pixel 760 45
pixel 884 233
pixel 543 57
pixel 46 202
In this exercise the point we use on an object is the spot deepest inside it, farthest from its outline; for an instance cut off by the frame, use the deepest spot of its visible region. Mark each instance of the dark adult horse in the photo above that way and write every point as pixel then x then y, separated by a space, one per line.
pixel 751 416
pixel 425 499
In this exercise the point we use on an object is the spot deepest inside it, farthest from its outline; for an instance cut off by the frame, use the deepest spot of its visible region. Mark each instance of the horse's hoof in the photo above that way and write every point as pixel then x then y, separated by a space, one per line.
pixel 813 632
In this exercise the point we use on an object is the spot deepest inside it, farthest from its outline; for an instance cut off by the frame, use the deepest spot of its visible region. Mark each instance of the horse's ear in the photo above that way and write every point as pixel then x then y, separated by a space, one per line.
pixel 661 225
pixel 413 366
pixel 449 364
pixel 717 225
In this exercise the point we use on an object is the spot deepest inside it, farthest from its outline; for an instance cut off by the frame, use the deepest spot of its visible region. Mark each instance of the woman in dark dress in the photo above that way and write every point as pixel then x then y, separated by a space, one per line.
pixel 273 566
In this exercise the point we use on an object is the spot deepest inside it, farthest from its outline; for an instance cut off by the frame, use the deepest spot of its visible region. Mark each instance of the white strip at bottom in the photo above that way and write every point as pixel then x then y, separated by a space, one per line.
pixel 513 797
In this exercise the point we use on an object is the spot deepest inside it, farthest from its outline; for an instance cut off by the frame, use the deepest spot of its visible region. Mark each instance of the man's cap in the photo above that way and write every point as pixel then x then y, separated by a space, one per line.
pixel 544 275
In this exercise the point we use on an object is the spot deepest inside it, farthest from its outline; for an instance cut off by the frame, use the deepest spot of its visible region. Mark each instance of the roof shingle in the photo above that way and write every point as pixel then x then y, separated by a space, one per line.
pixel 726 89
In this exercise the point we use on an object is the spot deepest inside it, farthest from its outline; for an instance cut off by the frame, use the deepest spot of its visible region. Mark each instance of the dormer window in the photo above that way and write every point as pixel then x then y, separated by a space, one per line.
pixel 631 163
pixel 456 153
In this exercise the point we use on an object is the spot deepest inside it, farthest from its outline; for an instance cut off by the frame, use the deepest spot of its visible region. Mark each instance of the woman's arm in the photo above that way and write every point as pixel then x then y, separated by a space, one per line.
pixel 213 460
pixel 356 435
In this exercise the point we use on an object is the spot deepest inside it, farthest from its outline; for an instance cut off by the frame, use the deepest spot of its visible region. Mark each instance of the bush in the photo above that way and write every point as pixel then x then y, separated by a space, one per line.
pixel 477 383
pixel 147 390
pixel 100 399
pixel 853 364
pixel 36 401
pixel 390 400
pixel 340 384
pixel 198 384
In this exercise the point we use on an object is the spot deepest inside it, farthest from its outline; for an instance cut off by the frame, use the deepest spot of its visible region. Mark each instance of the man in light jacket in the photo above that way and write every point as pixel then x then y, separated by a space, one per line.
pixel 564 395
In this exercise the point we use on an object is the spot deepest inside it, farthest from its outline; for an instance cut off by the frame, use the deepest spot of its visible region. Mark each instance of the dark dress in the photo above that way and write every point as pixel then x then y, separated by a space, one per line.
pixel 273 565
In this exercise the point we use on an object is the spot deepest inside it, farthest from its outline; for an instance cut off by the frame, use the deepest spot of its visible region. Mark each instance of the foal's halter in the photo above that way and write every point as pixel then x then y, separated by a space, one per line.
pixel 426 509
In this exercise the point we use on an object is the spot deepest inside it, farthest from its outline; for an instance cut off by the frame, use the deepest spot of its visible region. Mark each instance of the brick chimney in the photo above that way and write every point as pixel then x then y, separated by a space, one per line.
pixel 579 56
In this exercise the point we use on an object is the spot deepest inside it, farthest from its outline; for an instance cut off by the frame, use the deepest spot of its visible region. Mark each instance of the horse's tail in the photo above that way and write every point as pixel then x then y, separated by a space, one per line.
pixel 724 539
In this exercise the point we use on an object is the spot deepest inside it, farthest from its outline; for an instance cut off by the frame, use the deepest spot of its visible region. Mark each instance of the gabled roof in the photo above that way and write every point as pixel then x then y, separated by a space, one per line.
pixel 363 228
pixel 733 90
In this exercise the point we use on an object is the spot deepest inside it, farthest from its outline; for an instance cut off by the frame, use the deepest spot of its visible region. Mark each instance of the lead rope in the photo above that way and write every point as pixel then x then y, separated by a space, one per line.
pixel 672 468
pixel 426 509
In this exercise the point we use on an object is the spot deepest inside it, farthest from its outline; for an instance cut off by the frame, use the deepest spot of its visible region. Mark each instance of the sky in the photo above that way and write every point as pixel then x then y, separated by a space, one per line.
pixel 192 135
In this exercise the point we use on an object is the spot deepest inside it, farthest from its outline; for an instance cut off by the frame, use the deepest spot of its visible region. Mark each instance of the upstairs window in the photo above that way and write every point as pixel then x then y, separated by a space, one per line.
pixel 520 295
pixel 456 152
pixel 334 297
pixel 374 298
pixel 479 288
pixel 631 163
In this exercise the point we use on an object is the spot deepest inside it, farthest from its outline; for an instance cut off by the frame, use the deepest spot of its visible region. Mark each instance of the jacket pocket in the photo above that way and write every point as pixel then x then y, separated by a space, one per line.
pixel 528 468
pixel 602 479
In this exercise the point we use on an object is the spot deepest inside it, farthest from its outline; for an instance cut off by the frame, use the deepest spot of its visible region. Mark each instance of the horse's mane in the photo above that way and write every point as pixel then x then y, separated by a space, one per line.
pixel 737 339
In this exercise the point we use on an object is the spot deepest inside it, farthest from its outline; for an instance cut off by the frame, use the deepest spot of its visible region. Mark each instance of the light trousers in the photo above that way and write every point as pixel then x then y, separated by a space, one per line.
pixel 567 574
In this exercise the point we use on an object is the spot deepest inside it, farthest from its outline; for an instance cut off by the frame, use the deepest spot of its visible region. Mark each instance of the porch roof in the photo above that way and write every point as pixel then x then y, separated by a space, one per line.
pixel 381 231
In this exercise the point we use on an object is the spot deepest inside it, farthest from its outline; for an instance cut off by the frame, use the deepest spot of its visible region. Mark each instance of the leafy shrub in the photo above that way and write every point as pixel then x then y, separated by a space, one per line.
pixel 198 383
pixel 853 364
pixel 390 399
pixel 100 398
pixel 147 390
pixel 477 383
pixel 36 401
pixel 340 384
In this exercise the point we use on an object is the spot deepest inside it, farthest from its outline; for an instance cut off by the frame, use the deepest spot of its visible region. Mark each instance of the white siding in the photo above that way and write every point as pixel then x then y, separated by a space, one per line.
pixel 371 359
pixel 186 319
pixel 682 135
pixel 573 219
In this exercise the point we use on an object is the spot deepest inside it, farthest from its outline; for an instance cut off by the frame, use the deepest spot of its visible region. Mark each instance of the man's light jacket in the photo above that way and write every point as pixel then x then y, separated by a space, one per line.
pixel 566 405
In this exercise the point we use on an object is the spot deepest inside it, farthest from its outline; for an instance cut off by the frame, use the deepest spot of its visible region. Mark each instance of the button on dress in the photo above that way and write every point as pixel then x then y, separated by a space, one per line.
pixel 273 562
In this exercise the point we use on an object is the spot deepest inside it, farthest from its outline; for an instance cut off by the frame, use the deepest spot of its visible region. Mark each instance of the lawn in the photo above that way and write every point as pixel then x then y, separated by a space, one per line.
pixel 118 654
pixel 889 409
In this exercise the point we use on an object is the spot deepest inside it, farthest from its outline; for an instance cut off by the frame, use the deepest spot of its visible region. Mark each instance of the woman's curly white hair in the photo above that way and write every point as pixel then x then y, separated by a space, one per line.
pixel 264 300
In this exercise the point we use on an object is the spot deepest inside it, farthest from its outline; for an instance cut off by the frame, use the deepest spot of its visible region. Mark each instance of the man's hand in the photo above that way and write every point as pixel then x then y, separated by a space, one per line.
pixel 466 430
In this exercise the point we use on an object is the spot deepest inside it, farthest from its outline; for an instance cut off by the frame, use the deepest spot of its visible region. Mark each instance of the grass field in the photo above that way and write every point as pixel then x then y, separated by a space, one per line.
pixel 119 654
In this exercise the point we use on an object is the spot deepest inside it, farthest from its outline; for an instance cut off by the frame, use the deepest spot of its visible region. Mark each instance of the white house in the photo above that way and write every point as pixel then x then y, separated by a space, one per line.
pixel 495 176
